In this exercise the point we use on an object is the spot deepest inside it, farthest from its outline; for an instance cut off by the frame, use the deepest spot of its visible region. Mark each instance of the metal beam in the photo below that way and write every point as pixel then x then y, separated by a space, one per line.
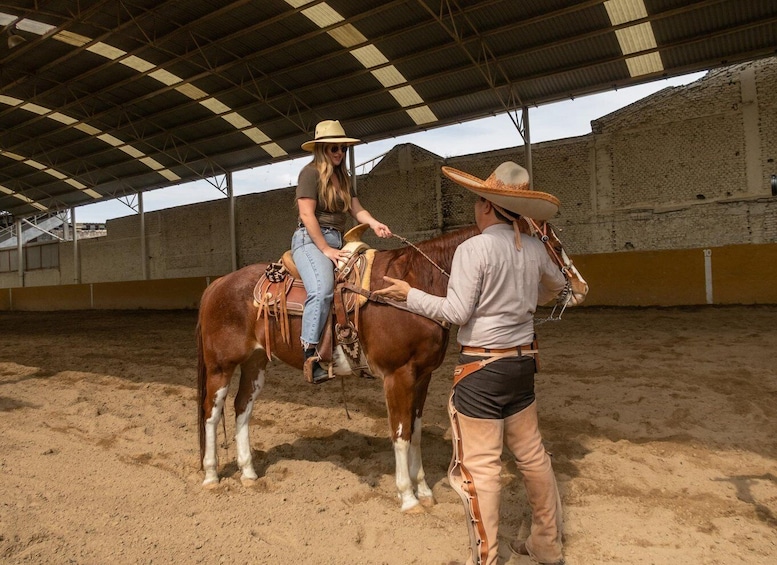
pixel 232 230
pixel 19 252
pixel 76 258
pixel 143 250
pixel 526 134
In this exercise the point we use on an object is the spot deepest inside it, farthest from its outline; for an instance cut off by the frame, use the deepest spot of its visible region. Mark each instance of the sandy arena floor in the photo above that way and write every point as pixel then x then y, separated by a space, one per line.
pixel 662 424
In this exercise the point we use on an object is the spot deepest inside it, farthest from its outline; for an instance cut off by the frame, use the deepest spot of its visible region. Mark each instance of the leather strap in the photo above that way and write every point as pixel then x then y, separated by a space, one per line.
pixel 517 350
pixel 491 355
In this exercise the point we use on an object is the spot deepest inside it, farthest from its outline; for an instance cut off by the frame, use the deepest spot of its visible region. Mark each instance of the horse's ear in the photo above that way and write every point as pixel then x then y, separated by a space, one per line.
pixel 355 233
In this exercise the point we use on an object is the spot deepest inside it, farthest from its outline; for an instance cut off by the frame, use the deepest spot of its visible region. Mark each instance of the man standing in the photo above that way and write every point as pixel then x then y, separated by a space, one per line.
pixel 497 280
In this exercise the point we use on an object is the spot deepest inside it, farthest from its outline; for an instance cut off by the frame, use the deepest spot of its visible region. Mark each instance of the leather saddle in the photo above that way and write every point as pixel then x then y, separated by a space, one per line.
pixel 280 293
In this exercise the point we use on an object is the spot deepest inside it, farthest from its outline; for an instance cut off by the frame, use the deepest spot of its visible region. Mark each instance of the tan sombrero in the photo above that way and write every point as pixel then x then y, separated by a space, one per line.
pixel 508 187
pixel 329 131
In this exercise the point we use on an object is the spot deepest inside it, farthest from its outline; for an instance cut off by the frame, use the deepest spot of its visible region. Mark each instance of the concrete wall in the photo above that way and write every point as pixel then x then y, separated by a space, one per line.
pixel 685 169
pixel 152 294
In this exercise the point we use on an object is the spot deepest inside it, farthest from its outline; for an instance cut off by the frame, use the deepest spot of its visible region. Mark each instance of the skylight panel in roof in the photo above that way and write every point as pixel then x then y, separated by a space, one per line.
pixel 191 91
pixel 136 63
pixel 644 64
pixel 165 77
pixel 71 38
pixel 274 149
pixel 74 183
pixel 257 136
pixel 215 106
pixel 107 51
pixel 347 35
pixel 238 121
pixel 322 15
pixel 406 96
pixel 422 115
pixel 622 11
pixel 370 56
pixel 110 139
pixel 33 26
pixel 34 108
pixel 636 38
pixel 388 76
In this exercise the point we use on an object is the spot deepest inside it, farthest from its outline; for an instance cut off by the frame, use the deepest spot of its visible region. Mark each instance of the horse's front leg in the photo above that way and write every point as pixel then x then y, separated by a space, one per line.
pixel 251 383
pixel 416 467
pixel 399 392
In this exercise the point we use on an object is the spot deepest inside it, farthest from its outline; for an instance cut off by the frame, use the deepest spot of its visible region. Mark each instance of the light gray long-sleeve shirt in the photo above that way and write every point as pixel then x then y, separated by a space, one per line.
pixel 494 289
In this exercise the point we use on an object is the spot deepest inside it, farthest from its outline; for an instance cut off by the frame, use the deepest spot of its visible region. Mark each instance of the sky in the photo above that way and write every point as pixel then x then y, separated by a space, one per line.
pixel 549 122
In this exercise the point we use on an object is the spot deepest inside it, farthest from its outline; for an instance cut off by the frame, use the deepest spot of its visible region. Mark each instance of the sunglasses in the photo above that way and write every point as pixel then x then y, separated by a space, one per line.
pixel 337 148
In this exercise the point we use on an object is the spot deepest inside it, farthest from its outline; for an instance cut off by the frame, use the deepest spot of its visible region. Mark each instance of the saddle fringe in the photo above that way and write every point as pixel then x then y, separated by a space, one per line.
pixel 272 291
pixel 274 305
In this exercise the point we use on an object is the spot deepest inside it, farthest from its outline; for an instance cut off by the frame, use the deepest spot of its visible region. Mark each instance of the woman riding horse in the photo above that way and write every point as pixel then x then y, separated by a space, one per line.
pixel 325 198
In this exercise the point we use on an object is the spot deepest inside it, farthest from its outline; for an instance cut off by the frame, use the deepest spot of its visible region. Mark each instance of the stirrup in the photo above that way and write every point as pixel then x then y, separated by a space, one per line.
pixel 315 373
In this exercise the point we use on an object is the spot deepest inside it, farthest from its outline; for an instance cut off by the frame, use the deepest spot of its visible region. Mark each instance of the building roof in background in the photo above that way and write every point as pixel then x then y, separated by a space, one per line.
pixel 107 98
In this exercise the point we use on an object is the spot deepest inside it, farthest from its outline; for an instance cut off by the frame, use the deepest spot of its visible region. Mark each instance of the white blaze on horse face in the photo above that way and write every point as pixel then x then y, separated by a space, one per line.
pixel 242 442
pixel 210 460
pixel 576 281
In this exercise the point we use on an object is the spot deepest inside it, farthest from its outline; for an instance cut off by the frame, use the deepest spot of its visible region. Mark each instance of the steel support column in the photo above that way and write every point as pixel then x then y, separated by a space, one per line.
pixel 352 166
pixel 526 134
pixel 20 252
pixel 143 250
pixel 232 229
pixel 76 258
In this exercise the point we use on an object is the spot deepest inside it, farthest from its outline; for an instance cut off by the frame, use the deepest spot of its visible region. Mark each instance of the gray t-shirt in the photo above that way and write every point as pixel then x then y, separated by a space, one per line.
pixel 307 187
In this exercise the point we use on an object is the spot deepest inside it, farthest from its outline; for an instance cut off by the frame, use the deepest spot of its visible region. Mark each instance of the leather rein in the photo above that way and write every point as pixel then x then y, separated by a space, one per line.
pixel 543 232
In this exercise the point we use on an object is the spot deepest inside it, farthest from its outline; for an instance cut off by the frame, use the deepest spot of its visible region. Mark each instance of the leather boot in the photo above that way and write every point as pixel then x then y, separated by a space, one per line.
pixel 522 437
pixel 312 369
pixel 474 474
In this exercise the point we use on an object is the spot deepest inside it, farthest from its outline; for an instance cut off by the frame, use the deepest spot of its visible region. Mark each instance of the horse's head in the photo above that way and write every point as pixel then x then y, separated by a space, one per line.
pixel 577 289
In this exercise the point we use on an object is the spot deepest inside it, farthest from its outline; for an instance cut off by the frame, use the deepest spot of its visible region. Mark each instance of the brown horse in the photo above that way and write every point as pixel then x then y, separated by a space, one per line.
pixel 401 348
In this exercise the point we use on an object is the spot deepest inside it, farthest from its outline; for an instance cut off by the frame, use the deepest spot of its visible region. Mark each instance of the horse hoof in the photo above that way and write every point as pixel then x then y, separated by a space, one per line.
pixel 427 501
pixel 247 482
pixel 414 510
pixel 210 485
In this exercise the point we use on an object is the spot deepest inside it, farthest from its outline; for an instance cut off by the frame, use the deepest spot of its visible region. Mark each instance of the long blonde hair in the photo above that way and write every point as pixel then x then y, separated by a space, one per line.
pixel 328 194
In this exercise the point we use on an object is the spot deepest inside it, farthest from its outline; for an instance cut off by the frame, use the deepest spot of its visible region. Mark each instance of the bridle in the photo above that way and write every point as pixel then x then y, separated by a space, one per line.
pixel 547 235
pixel 568 297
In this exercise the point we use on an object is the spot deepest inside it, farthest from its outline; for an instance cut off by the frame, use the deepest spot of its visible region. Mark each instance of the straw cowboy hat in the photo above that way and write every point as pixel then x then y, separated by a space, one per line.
pixel 329 131
pixel 508 188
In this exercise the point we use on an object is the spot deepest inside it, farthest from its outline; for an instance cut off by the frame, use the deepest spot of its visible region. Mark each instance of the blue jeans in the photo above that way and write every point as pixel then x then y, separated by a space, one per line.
pixel 318 276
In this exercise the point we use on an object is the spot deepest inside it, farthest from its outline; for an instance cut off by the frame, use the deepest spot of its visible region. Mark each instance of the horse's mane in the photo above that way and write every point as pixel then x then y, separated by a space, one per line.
pixel 440 250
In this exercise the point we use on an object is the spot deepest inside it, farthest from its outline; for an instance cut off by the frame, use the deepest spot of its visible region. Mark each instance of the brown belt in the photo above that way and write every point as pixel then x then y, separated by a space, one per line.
pixel 461 371
pixel 519 350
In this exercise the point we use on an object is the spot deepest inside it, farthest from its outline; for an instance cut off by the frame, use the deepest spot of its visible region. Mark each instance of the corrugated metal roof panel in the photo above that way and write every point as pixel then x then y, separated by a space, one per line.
pixel 109 96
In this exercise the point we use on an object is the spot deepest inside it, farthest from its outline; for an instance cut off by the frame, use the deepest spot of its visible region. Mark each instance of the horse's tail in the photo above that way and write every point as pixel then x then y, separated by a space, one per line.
pixel 201 391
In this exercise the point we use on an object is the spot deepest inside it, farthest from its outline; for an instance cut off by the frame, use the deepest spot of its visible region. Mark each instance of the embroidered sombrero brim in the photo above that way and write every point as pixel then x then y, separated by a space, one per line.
pixel 508 187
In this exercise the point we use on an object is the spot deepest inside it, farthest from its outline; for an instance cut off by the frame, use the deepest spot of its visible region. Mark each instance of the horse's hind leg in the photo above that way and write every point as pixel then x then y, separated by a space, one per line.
pixel 217 385
pixel 251 383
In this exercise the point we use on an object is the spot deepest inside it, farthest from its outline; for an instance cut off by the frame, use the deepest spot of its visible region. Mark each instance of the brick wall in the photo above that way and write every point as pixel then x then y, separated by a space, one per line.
pixel 685 168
